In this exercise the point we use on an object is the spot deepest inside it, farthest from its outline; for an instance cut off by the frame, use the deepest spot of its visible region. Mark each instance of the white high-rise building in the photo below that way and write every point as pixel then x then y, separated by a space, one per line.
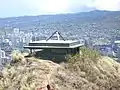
pixel 2 57
pixel 16 31
pixel 2 54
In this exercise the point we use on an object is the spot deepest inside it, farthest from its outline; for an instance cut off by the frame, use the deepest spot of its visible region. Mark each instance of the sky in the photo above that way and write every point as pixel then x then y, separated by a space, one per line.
pixel 10 8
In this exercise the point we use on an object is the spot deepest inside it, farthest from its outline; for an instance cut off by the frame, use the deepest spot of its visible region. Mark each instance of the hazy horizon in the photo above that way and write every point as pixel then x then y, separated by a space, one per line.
pixel 15 8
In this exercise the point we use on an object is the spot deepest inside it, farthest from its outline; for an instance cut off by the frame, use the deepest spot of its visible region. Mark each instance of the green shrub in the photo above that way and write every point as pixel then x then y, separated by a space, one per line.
pixel 91 54
pixel 86 54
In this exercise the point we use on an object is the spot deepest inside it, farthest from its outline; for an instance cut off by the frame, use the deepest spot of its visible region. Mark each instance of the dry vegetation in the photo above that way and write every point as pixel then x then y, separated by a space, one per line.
pixel 90 71
pixel 86 71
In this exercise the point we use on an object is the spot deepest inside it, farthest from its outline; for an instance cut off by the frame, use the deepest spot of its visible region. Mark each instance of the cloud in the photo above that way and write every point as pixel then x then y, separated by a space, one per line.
pixel 65 6
pixel 47 6
pixel 112 5
pixel 38 7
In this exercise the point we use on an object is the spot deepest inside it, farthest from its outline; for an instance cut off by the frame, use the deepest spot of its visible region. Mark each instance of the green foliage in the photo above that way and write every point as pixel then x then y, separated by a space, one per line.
pixel 90 54
pixel 86 54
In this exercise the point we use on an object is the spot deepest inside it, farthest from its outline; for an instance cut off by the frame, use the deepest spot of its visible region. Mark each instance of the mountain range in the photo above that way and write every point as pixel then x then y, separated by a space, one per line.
pixel 95 24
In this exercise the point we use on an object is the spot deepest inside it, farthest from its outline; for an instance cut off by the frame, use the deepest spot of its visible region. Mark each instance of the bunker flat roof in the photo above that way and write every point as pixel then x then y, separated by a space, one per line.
pixel 43 44
pixel 52 47
pixel 55 41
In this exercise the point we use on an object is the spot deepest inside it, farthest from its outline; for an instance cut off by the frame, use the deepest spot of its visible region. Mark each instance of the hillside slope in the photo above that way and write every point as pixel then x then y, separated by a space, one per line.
pixel 94 24
pixel 78 74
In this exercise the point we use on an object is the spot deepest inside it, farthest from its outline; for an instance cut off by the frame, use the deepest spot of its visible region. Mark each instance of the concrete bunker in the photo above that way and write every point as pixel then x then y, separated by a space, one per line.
pixel 54 49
